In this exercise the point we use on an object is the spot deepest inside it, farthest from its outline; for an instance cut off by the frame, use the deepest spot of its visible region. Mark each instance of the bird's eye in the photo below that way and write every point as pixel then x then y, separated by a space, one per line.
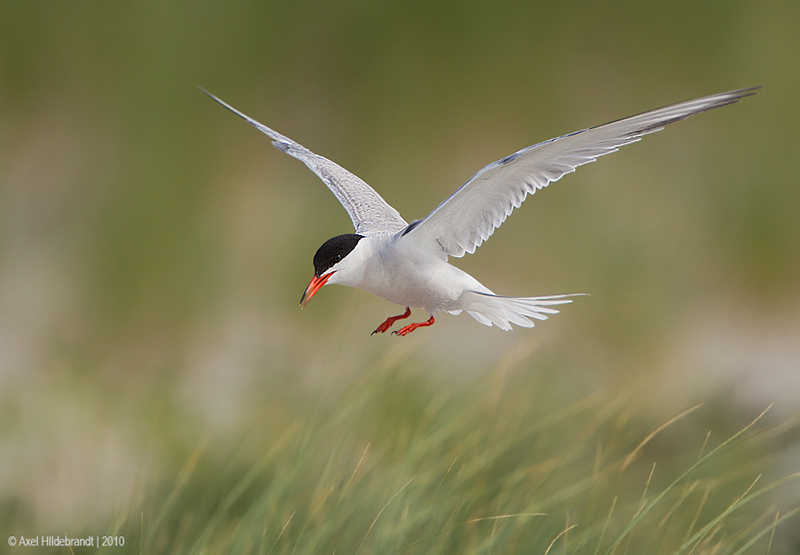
pixel 338 257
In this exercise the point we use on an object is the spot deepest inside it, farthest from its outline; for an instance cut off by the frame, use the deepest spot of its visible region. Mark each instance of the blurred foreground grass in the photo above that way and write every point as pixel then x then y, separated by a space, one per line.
pixel 400 460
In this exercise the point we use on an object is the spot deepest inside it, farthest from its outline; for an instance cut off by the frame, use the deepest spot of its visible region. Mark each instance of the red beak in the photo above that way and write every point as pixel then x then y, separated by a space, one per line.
pixel 315 285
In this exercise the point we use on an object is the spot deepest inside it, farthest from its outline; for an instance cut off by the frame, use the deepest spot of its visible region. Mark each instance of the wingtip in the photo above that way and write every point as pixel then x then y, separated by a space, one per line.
pixel 214 97
pixel 738 94
pixel 752 90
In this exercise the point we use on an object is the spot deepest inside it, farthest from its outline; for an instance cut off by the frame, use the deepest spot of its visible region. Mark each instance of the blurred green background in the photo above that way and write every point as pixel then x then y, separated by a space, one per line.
pixel 154 247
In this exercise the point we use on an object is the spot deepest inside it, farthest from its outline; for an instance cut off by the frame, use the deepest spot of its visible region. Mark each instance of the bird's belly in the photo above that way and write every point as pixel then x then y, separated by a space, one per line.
pixel 433 285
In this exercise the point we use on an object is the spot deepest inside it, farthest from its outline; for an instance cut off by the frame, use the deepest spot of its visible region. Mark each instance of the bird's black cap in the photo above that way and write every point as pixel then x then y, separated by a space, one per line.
pixel 333 251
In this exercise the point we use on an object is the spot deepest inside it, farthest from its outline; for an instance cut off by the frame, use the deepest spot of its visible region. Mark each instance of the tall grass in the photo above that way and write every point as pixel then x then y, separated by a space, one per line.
pixel 402 461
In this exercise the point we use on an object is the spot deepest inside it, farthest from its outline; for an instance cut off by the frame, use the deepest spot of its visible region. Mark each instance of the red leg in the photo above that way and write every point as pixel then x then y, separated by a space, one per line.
pixel 411 327
pixel 391 320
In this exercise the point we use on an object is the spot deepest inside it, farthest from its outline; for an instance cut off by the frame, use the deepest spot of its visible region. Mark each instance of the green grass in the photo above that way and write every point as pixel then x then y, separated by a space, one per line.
pixel 399 461
pixel 154 249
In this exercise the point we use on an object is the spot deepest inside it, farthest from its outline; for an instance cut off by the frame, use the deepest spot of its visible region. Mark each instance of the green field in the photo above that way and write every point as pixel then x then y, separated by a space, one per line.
pixel 159 384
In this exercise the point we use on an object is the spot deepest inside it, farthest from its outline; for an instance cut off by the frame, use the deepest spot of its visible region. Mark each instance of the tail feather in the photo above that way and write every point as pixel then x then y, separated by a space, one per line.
pixel 491 309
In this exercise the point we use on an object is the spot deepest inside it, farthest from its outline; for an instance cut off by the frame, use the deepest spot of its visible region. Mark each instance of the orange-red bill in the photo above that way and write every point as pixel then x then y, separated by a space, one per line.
pixel 315 285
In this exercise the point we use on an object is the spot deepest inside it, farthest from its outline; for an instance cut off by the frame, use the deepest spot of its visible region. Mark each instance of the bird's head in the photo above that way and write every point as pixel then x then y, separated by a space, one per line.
pixel 329 259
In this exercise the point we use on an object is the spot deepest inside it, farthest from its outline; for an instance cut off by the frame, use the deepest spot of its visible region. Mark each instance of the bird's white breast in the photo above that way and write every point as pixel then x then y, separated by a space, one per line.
pixel 404 274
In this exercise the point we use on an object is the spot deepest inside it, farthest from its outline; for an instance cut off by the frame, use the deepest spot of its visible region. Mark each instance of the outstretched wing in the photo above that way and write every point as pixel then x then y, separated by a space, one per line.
pixel 470 215
pixel 371 214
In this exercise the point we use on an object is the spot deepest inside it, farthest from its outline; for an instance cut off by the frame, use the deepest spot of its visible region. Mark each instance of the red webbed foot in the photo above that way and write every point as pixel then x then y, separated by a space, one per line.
pixel 391 320
pixel 411 327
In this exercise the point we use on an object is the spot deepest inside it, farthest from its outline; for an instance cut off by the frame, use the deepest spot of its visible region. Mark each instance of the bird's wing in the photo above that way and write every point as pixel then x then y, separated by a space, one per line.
pixel 371 214
pixel 470 215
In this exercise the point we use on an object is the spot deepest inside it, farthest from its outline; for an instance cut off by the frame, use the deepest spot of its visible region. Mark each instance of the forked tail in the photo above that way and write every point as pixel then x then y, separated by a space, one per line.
pixel 503 311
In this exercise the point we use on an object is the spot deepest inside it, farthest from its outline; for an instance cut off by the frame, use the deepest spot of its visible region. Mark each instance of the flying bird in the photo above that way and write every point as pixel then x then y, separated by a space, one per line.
pixel 406 263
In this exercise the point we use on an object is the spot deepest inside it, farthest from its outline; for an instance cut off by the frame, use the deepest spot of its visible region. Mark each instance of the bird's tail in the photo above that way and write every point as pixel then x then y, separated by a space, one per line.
pixel 491 309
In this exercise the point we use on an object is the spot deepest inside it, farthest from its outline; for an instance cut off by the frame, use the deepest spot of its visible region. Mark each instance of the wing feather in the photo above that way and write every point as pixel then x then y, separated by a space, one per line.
pixel 371 215
pixel 461 223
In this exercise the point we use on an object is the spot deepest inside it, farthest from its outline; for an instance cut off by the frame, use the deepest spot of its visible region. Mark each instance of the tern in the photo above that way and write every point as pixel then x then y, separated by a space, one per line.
pixel 407 263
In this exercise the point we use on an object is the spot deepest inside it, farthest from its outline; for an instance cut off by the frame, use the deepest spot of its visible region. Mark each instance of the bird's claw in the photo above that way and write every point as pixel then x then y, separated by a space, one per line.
pixel 402 332
pixel 384 327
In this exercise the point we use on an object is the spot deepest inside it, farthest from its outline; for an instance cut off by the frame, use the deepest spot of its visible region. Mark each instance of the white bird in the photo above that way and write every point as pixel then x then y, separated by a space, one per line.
pixel 407 263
